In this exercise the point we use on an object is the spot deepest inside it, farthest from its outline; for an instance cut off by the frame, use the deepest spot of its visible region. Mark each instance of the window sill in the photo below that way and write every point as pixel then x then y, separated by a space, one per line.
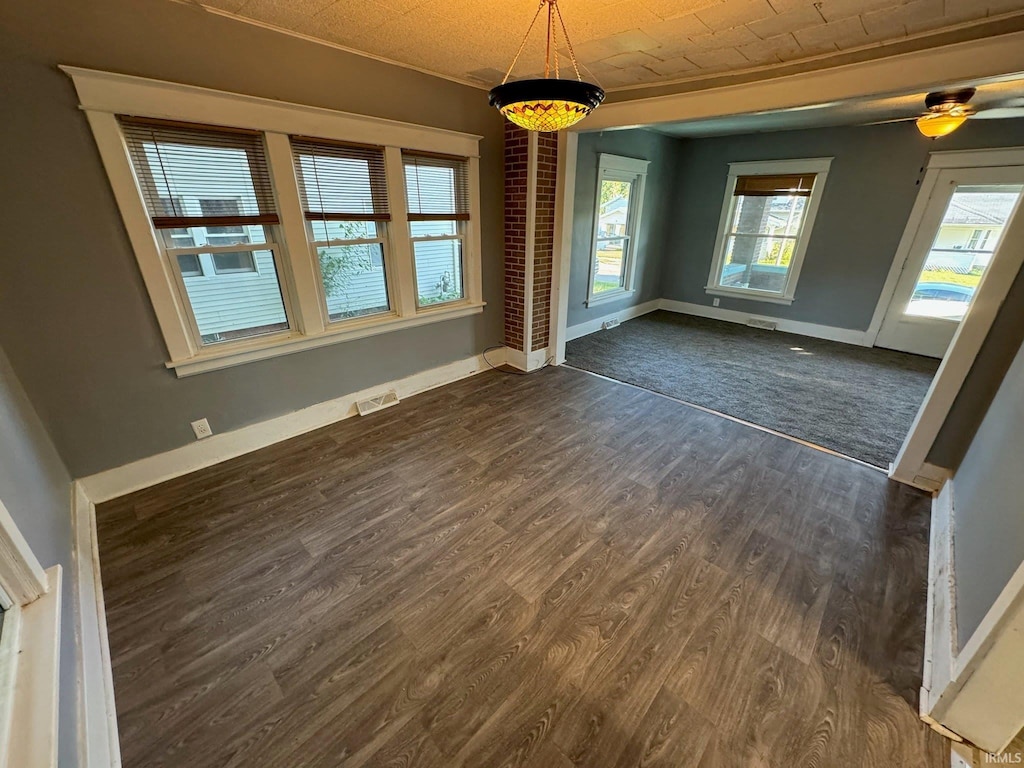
pixel 608 296
pixel 263 349
pixel 750 295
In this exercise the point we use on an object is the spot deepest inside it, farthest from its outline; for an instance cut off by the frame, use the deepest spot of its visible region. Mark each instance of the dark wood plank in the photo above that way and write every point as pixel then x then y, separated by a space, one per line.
pixel 545 570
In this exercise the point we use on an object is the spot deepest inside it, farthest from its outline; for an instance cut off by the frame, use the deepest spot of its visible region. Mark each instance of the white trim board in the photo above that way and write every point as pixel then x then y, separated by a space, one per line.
pixel 831 333
pixel 593 326
pixel 143 473
pixel 33 725
pixel 98 744
pixel 975 692
pixel 524 361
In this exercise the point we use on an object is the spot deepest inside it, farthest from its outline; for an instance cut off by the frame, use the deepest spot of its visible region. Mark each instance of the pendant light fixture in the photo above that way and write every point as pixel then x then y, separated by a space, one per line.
pixel 548 103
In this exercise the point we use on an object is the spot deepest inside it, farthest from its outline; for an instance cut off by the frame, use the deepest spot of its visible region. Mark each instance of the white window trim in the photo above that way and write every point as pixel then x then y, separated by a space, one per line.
pixel 617 168
pixel 105 95
pixel 29 652
pixel 818 166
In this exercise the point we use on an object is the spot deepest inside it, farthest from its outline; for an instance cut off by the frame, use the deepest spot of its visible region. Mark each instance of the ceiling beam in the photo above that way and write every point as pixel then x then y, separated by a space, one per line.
pixel 972 62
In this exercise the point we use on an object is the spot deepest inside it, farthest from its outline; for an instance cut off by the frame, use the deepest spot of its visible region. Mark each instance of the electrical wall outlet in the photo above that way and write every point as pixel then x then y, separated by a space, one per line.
pixel 715 303
pixel 202 429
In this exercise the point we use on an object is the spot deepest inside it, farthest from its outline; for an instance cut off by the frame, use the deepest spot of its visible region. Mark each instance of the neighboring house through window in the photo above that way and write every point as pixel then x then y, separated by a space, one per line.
pixel 437 199
pixel 618 208
pixel 766 222
pixel 277 227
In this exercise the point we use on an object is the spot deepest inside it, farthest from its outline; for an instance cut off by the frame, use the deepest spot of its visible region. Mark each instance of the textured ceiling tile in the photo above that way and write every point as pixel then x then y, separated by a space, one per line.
pixel 1003 6
pixel 730 38
pixel 727 58
pixel 672 67
pixel 628 60
pixel 674 51
pixel 784 6
pixel 790 21
pixel 402 6
pixel 612 19
pixel 475 40
pixel 771 49
pixel 670 9
pixel 633 76
pixel 834 10
pixel 678 28
pixel 846 33
pixel 231 6
pixel 633 40
pixel 735 13
pixel 887 24
pixel 267 9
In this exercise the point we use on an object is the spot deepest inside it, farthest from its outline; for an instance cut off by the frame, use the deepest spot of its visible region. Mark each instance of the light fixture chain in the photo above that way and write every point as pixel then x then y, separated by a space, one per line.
pixel 568 42
pixel 554 35
pixel 525 38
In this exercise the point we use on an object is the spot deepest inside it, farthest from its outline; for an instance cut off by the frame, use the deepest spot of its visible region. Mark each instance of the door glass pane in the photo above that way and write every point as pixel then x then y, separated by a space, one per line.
pixel 612 235
pixel 761 241
pixel 963 247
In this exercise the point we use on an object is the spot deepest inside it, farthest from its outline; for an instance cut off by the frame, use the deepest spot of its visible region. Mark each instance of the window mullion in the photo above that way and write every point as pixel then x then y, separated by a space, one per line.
pixel 296 254
pixel 400 265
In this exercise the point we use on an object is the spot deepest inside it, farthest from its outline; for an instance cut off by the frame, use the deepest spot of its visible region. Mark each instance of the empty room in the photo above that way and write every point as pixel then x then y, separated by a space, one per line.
pixel 534 383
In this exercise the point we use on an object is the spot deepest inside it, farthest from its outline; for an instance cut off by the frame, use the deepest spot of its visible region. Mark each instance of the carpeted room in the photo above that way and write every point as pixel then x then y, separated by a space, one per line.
pixel 826 374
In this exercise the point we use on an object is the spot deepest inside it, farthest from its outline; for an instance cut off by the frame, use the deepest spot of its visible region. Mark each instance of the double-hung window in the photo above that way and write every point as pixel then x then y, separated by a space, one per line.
pixel 437 199
pixel 344 197
pixel 262 228
pixel 766 222
pixel 618 208
pixel 208 194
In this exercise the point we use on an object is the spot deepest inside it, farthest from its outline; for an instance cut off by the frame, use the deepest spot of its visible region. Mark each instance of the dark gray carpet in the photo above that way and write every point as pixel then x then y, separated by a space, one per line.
pixel 855 400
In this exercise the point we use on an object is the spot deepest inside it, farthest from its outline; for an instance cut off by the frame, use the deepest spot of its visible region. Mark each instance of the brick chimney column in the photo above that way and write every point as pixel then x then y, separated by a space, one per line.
pixel 530 178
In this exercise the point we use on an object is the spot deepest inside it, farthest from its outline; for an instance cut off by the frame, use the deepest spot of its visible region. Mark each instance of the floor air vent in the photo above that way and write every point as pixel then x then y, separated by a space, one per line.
pixel 377 402
pixel 765 325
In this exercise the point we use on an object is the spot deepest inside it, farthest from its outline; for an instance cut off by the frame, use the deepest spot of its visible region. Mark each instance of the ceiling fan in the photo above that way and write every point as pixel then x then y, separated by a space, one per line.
pixel 947 110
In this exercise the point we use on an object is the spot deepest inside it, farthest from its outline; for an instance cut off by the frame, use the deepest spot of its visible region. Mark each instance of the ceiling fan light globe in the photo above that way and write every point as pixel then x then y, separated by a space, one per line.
pixel 940 124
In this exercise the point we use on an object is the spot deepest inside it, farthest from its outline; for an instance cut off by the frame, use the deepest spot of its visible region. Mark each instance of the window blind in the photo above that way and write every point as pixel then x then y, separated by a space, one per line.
pixel 180 164
pixel 798 185
pixel 340 182
pixel 436 187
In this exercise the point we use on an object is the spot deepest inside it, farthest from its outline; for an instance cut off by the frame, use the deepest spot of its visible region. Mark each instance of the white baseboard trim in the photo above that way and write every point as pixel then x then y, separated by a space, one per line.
pixel 98 745
pixel 593 326
pixel 143 473
pixel 831 333
pixel 525 362
pixel 940 643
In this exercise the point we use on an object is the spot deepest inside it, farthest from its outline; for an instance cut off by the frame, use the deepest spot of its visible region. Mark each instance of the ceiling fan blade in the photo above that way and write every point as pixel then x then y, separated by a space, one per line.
pixel 999 113
pixel 894 120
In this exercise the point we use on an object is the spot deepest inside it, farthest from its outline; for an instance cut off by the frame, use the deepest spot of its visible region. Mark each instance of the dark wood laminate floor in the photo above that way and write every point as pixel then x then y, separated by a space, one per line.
pixel 546 570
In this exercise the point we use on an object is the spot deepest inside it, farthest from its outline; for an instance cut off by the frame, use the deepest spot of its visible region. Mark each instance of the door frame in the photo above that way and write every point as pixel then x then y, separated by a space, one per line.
pixel 934 213
pixel 937 161
pixel 910 465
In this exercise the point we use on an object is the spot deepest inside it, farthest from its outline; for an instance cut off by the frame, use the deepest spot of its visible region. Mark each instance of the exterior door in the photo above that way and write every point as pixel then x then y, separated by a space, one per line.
pixel 958 238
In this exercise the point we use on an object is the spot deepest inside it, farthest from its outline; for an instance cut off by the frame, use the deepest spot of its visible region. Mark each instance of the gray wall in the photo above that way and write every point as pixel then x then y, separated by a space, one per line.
pixel 651 243
pixel 994 358
pixel 988 489
pixel 74 317
pixel 36 489
pixel 867 200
